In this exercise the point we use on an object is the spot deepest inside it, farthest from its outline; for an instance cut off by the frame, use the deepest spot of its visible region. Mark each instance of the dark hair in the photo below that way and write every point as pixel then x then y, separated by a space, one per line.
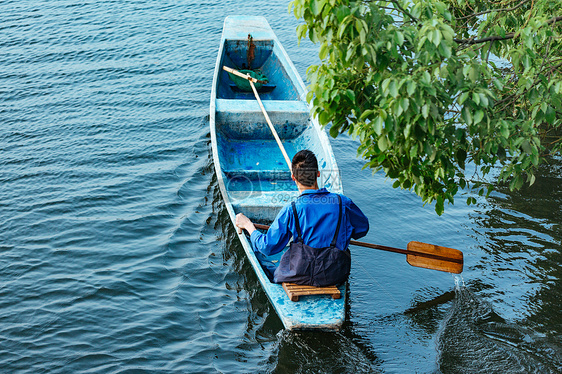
pixel 305 168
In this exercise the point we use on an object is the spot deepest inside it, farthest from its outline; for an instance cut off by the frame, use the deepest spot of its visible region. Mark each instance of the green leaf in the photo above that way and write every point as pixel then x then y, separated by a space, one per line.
pixel 323 51
pixel 439 206
pixel 382 143
pixel 363 36
pixel 393 87
pixel 473 74
pixel 351 95
pixel 342 12
pixel 301 31
pixel 350 55
pixel 324 119
pixel 550 115
pixel 378 125
pixel 466 115
pixel 440 7
pixel 384 86
pixel 478 116
pixel 358 25
pixel 526 146
pixel 399 38
pixel 405 103
pixel 527 61
pixel 517 183
pixel 504 131
pixel 476 98
pixel 342 29
pixel 483 99
pixel 425 111
pixel 366 114
pixel 444 49
pixel 407 130
pixel 411 87
pixel 436 37
pixel 316 6
pixel 461 157
pixel 498 84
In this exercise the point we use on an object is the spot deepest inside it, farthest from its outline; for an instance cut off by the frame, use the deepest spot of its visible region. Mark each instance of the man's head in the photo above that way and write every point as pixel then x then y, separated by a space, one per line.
pixel 305 168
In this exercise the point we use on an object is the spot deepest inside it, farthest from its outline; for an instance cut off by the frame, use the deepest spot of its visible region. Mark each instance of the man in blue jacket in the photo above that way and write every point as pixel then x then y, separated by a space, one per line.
pixel 321 224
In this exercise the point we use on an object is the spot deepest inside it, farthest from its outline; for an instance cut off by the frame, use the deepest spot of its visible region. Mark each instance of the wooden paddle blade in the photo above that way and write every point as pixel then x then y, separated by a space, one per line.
pixel 435 257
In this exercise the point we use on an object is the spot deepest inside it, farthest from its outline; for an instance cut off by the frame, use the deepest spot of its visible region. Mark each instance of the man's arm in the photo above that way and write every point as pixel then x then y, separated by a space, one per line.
pixel 358 220
pixel 274 240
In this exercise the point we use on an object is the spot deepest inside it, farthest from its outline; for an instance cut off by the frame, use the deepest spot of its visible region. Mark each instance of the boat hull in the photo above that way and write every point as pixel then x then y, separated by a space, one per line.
pixel 251 172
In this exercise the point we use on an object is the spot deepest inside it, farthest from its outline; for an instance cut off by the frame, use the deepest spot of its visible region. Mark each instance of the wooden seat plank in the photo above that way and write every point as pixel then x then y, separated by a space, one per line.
pixel 294 291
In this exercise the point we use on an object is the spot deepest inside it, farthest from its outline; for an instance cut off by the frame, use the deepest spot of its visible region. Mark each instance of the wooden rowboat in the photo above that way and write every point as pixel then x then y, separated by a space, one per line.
pixel 252 174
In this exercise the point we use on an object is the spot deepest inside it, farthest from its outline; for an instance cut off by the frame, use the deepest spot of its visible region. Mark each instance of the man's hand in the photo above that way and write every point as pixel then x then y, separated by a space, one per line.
pixel 244 222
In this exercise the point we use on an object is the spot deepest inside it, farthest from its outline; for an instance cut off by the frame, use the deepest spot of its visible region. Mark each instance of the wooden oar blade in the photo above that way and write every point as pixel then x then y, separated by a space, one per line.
pixel 437 258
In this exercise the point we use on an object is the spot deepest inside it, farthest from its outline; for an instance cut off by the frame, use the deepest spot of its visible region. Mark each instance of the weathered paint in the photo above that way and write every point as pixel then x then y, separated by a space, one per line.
pixel 252 175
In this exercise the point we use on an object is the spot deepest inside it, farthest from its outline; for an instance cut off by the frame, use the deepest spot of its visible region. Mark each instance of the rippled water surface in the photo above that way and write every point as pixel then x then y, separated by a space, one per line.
pixel 117 255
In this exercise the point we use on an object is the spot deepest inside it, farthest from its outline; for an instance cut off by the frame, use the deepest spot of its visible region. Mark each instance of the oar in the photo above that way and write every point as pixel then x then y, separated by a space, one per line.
pixel 422 255
pixel 253 80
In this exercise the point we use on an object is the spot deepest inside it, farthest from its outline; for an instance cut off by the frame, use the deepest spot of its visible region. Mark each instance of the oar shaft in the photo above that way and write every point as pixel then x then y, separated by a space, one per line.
pixel 241 75
pixel 389 249
pixel 406 252
pixel 275 135
pixel 252 80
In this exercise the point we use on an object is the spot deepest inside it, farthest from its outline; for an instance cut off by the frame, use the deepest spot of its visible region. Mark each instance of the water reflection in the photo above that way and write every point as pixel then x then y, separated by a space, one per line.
pixel 427 313
pixel 509 317
pixel 322 352
pixel 475 339
pixel 522 238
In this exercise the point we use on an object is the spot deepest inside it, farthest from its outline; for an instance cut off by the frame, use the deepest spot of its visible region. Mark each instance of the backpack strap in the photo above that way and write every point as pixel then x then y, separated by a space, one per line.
pixel 339 223
pixel 299 234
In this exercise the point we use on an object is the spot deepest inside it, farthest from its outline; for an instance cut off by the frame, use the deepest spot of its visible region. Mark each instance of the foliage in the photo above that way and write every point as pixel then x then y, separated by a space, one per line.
pixel 440 93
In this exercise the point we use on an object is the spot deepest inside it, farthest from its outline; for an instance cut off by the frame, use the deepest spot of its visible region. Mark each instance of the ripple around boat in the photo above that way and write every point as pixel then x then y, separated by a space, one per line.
pixel 252 174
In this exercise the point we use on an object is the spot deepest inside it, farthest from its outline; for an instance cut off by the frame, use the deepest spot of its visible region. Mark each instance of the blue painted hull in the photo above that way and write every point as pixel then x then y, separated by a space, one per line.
pixel 252 174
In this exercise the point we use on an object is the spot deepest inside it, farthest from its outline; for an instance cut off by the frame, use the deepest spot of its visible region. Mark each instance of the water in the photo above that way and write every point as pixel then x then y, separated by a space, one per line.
pixel 117 255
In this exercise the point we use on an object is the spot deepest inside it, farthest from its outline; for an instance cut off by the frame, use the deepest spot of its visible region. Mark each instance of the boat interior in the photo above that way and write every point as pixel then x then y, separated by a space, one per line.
pixel 236 56
pixel 257 177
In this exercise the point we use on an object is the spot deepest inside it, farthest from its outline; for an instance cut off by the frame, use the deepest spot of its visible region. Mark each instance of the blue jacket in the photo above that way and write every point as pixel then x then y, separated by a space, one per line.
pixel 318 216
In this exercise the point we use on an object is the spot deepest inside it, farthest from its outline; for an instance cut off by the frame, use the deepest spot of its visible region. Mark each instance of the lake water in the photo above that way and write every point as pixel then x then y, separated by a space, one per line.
pixel 117 255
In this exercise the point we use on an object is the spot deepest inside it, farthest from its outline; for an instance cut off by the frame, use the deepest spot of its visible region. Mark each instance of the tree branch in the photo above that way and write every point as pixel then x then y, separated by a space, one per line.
pixel 485 40
pixel 395 2
pixel 495 10
pixel 511 35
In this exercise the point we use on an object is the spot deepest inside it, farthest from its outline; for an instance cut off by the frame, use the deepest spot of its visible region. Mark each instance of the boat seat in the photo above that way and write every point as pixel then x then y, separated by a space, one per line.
pixel 294 291
pixel 261 206
pixel 249 111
